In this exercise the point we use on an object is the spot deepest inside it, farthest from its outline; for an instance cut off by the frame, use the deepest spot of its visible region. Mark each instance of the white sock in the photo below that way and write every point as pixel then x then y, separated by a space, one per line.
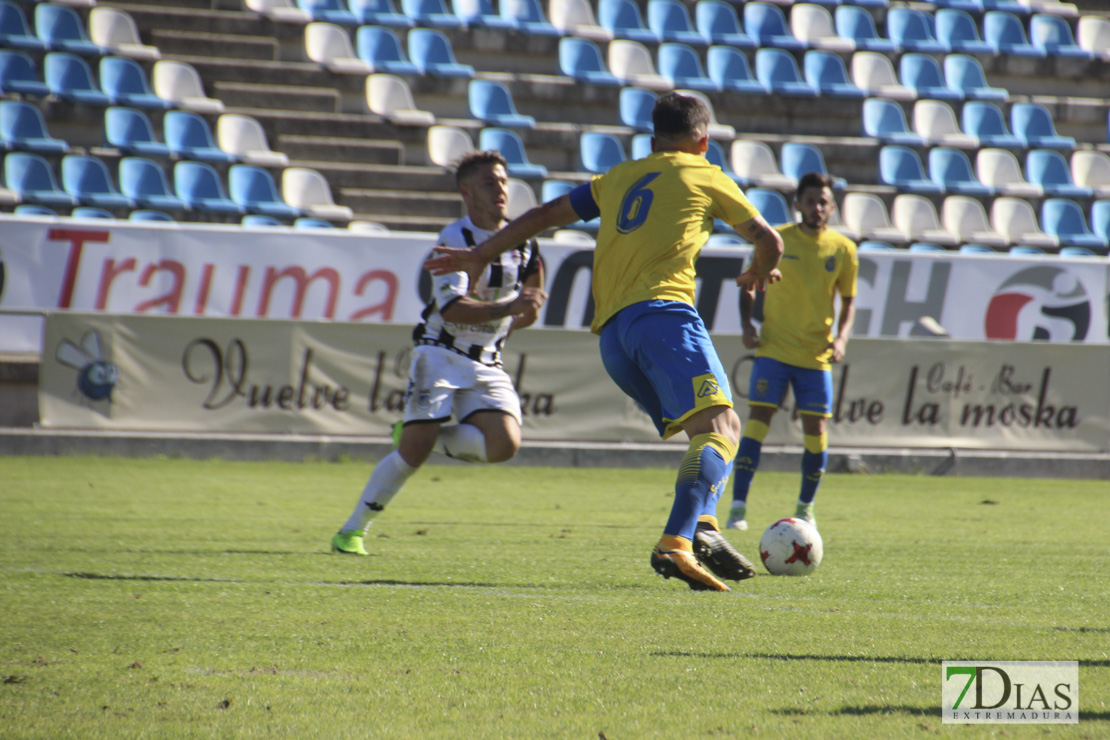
pixel 386 480
pixel 462 442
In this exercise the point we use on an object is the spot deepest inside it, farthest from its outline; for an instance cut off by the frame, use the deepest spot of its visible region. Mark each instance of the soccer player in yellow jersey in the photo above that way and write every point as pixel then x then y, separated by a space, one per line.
pixel 656 214
pixel 796 344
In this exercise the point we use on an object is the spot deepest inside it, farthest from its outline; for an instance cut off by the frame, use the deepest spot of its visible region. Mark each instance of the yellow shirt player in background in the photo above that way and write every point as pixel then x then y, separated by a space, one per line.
pixel 656 214
pixel 796 344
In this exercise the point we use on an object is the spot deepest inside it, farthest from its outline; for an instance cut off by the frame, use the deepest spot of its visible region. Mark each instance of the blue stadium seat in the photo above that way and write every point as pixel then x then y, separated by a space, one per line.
pixel 143 181
pixel 146 214
pixel 124 81
pixel 61 29
pixel 307 222
pixel 1004 32
pixel 198 184
pixel 528 16
pixel 952 170
pixel 1064 219
pixel 965 73
pixel 976 249
pixel 912 30
pixel 922 73
pixel 825 71
pixel 329 11
pixel 18 74
pixel 69 77
pixel 957 29
pixel 719 22
pixel 1100 219
pixel 874 246
pixel 254 189
pixel 432 13
pixel 130 131
pixel 90 212
pixel 30 209
pixel 552 189
pixel 258 220
pixel 778 71
pixel 582 60
pixel 32 177
pixel 729 68
pixel 984 120
pixel 512 149
pixel 670 21
pixel 599 151
pixel 682 65
pixel 431 52
pixel 715 154
pixel 491 102
pixel 901 167
pixel 1032 123
pixel 1077 252
pixel 886 121
pixel 1015 7
pixel 1053 34
pixel 641 147
pixel 380 47
pixel 1050 170
pixel 771 205
pixel 22 126
pixel 189 137
pixel 926 247
pixel 623 19
pixel 968 6
pixel 480 14
pixel 15 32
pixel 1024 250
pixel 379 13
pixel 767 24
pixel 856 23
pixel 87 179
pixel 798 158
pixel 635 108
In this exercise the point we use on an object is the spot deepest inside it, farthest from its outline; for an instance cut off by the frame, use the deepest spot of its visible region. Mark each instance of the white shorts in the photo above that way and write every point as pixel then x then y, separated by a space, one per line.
pixel 443 384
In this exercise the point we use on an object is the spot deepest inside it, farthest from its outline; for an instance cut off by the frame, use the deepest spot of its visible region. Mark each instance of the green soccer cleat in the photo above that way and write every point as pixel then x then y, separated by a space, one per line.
pixel 716 553
pixel 737 517
pixel 348 542
pixel 396 433
pixel 805 513
pixel 685 567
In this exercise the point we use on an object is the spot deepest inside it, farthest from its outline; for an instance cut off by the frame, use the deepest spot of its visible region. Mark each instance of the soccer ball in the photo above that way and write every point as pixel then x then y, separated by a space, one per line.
pixel 791 547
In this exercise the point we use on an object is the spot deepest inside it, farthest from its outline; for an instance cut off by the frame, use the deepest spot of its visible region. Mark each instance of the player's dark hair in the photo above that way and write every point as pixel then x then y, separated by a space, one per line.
pixel 812 180
pixel 468 164
pixel 676 117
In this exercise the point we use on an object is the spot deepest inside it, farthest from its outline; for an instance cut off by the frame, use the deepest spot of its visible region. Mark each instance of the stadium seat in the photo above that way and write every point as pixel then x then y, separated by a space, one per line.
pixel 145 183
pixel 983 120
pixel 434 13
pixel 729 68
pixel 552 189
pixel 771 205
pixel 671 22
pixel 31 209
pixel 1100 219
pixel 368 227
pixel 871 245
pixel 967 219
pixel 641 147
pixel 636 104
pixel 766 24
pixel 1077 252
pixel 631 63
pixel 115 30
pixel 874 74
pixel 389 96
pixel 866 214
pixel 329 11
pixel 825 71
pixel 912 30
pixel 198 184
pixel 623 19
pixel 124 81
pixel 189 137
pixel 999 169
pixel 576 18
pixel 242 137
pixel 715 129
pixel 976 249
pixel 257 220
pixel 1053 34
pixel 308 191
pixel 916 217
pixel 1016 7
pixel 447 144
pixel 1022 250
pixel 599 152
pixel 719 22
pixel 254 190
pixel 813 25
pixel 582 60
pixel 956 29
pixel 778 71
pixel 935 121
pixel 493 103
pixel 279 11
pixel 90 212
pixel 1049 170
pixel 146 214
pixel 798 158
pixel 1006 34
pixel 965 74
pixel 1064 219
pixel 714 153
pixel 922 74
pixel 1091 169
pixel 528 16
pixel 1093 34
pixel 68 76
pixel 951 169
pixel 87 179
pixel 755 162
pixel 901 167
pixel 33 179
pixel 431 52
pixel 1032 124
pixel 306 222
pixel 1016 220
pixel 15 32
pixel 926 247
pixel 480 14
pixel 22 126
pixel 886 121
pixel 330 46
pixel 381 49
pixel 509 143
pixel 130 131
pixel 681 64
pixel 521 197
pixel 61 29
pixel 18 74
pixel 179 83
pixel 379 13
pixel 856 24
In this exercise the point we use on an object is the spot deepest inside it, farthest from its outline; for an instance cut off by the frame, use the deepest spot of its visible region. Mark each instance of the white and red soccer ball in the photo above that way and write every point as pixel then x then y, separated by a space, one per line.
pixel 791 547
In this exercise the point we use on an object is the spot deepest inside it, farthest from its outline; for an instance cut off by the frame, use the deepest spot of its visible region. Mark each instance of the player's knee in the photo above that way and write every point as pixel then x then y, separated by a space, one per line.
pixel 500 448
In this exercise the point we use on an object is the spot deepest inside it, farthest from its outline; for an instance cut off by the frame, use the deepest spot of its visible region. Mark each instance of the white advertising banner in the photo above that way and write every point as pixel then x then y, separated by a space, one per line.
pixel 131 372
pixel 230 271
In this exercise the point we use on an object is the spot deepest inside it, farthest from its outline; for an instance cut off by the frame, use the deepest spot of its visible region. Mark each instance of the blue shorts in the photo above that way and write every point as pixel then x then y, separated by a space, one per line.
pixel 813 389
pixel 660 355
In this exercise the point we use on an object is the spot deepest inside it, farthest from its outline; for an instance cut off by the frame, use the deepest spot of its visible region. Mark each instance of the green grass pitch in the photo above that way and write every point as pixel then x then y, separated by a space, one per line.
pixel 169 598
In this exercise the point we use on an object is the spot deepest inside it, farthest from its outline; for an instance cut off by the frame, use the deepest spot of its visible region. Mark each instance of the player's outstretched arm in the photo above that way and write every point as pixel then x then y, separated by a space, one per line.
pixel 469 311
pixel 766 253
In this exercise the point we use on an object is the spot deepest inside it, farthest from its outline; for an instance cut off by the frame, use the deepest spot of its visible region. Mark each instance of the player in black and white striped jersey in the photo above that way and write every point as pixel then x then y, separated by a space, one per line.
pixel 456 367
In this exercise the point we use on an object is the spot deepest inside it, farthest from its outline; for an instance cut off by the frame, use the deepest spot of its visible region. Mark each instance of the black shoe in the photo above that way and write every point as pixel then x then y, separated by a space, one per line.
pixel 718 555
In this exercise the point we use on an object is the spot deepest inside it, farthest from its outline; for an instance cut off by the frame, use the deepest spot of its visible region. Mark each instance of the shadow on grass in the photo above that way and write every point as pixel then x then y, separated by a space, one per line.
pixel 933 712
pixel 777 656
pixel 414 584
pixel 117 577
